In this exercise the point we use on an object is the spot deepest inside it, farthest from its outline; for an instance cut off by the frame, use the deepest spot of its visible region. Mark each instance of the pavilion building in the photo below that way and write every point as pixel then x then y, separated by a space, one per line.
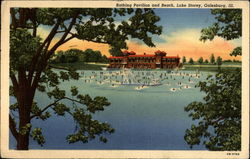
pixel 145 61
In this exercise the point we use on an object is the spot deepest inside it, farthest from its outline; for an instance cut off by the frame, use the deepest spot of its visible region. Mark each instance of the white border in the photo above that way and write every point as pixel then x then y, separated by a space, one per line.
pixel 5 152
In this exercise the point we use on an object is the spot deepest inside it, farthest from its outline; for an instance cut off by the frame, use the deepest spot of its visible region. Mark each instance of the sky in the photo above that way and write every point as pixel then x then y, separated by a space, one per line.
pixel 180 36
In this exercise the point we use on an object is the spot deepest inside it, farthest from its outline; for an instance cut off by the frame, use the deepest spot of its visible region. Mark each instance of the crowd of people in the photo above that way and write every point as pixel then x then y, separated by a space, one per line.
pixel 142 79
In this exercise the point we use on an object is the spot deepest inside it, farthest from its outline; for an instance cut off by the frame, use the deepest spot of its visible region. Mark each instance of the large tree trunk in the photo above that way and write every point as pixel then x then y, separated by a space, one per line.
pixel 25 97
pixel 24 115
pixel 24 104
pixel 23 142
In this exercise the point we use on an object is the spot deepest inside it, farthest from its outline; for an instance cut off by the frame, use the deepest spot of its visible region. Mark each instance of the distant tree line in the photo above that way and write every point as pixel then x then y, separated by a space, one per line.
pixel 212 60
pixel 76 55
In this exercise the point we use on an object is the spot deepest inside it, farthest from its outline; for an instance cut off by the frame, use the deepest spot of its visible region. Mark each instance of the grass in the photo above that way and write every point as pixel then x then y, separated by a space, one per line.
pixel 209 67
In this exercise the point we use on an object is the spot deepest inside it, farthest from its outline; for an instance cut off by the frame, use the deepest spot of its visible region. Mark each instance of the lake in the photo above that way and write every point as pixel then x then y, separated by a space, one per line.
pixel 146 115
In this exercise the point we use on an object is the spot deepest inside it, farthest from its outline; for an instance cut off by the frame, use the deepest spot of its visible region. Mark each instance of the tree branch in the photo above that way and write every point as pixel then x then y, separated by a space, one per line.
pixel 73 100
pixel 219 119
pixel 13 18
pixel 45 108
pixel 14 81
pixel 50 105
pixel 39 50
pixel 43 63
pixel 22 75
pixel 48 40
pixel 66 40
pixel 33 19
pixel 46 48
pixel 12 126
pixel 62 40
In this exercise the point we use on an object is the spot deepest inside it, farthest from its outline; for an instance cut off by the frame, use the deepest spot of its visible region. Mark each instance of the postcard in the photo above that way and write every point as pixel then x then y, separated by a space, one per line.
pixel 125 79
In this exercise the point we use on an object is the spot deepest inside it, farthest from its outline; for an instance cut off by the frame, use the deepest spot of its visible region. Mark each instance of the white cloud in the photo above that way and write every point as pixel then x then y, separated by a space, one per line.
pixel 191 35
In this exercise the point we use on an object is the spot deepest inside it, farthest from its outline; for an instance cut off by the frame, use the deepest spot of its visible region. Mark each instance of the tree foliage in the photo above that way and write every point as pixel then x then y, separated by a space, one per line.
pixel 212 59
pixel 184 60
pixel 228 25
pixel 219 61
pixel 115 51
pixel 219 116
pixel 200 60
pixel 237 51
pixel 191 61
pixel 76 55
pixel 30 69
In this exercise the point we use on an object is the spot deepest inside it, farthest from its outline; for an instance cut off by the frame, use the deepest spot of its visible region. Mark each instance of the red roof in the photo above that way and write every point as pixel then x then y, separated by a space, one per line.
pixel 120 57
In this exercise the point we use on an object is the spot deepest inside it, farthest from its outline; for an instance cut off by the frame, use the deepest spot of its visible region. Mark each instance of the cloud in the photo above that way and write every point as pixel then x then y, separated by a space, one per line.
pixel 42 32
pixel 186 43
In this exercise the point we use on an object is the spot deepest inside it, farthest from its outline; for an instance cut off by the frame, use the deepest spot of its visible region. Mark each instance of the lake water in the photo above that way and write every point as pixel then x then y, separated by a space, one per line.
pixel 144 118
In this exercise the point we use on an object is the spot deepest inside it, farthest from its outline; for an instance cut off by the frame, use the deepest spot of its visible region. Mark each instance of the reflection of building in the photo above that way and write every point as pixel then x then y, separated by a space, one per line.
pixel 131 60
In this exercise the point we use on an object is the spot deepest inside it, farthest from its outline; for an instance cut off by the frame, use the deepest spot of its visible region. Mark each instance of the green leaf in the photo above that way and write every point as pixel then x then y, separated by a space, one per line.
pixel 237 51
pixel 60 109
pixel 56 93
pixel 25 129
pixel 74 91
pixel 45 116
pixel 37 135
pixel 14 106
pixel 88 128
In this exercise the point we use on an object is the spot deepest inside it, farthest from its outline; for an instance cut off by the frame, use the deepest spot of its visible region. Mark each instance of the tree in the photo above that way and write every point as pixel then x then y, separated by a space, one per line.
pixel 30 68
pixel 72 55
pixel 219 116
pixel 206 61
pixel 104 59
pixel 184 59
pixel 95 56
pixel 200 60
pixel 219 61
pixel 212 59
pixel 228 25
pixel 75 55
pixel 115 51
pixel 237 51
pixel 191 61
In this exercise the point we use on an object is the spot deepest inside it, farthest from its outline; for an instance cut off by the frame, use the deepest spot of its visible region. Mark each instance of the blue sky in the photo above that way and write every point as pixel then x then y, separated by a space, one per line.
pixel 173 20
pixel 184 18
